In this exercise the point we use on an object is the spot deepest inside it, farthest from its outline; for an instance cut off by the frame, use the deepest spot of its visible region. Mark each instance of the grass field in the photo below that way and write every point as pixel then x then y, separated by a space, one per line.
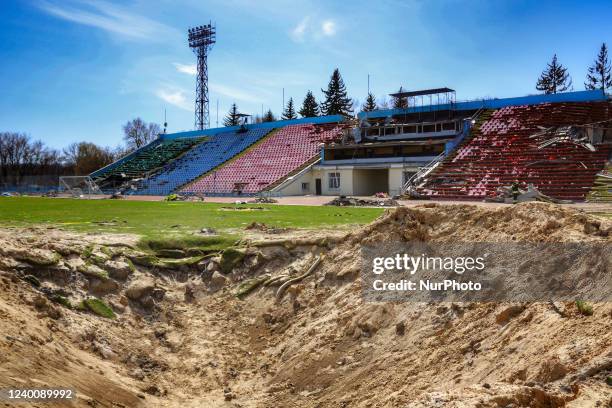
pixel 157 219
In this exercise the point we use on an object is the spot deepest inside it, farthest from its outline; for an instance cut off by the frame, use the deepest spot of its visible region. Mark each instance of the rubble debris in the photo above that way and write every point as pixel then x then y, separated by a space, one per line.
pixel 260 226
pixel 504 195
pixel 562 134
pixel 344 201
pixel 177 197
pixel 263 200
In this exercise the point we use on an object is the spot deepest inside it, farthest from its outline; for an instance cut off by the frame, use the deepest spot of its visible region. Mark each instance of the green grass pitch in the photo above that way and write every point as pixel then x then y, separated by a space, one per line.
pixel 156 219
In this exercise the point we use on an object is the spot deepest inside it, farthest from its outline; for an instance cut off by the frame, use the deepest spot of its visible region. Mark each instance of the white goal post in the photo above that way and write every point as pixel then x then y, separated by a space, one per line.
pixel 78 186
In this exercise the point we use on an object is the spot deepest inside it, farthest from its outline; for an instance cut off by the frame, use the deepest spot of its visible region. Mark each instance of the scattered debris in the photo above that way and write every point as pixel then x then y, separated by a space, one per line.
pixel 263 200
pixel 505 195
pixel 563 134
pixel 178 197
pixel 344 201
pixel 259 226
pixel 243 208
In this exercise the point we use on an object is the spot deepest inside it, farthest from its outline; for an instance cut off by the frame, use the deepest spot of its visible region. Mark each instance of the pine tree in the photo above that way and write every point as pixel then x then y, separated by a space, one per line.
pixel 400 102
pixel 599 73
pixel 269 116
pixel 554 78
pixel 232 118
pixel 289 112
pixel 310 107
pixel 370 104
pixel 336 100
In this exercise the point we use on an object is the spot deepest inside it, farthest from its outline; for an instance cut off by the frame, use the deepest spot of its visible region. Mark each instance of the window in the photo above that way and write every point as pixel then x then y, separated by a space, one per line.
pixel 334 181
pixel 305 186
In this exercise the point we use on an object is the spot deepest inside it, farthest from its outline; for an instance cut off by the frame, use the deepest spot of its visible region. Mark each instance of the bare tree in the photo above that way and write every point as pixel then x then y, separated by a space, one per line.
pixel 19 157
pixel 85 158
pixel 138 133
pixel 383 103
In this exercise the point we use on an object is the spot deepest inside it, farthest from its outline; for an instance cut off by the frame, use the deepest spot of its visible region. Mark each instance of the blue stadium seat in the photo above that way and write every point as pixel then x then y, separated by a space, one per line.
pixel 200 159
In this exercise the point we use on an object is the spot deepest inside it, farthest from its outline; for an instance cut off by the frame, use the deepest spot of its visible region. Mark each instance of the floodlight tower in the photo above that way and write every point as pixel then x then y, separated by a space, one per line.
pixel 201 39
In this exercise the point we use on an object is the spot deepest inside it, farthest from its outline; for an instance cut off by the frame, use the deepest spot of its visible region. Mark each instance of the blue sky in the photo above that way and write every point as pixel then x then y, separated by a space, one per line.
pixel 73 70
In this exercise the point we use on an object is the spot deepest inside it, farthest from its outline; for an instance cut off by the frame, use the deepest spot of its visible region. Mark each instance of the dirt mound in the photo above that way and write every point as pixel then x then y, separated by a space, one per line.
pixel 444 354
pixel 281 321
pixel 528 222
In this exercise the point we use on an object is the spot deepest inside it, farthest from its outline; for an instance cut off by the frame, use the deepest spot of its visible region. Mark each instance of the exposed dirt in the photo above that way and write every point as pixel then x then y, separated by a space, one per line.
pixel 182 338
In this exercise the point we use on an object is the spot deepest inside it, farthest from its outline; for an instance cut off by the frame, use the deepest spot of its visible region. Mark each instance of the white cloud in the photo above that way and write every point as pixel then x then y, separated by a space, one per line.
pixel 234 93
pixel 108 17
pixel 328 28
pixel 175 97
pixel 315 31
pixel 298 32
pixel 189 69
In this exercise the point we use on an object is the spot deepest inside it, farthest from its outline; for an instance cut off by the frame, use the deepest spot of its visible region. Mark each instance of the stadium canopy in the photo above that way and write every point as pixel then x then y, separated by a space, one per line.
pixel 433 91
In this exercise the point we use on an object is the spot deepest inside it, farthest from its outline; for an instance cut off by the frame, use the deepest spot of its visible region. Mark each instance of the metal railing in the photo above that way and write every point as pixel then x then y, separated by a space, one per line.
pixel 422 173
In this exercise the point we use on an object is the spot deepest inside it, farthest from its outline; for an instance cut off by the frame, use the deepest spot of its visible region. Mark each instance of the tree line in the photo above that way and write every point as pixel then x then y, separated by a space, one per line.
pixel 22 158
pixel 555 78
pixel 337 102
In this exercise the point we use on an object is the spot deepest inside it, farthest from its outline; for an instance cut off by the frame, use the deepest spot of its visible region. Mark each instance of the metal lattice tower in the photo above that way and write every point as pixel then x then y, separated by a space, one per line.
pixel 201 39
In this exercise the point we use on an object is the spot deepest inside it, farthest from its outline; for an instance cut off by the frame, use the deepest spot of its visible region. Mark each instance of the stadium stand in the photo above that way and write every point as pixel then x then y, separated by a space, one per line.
pixel 145 160
pixel 284 152
pixel 504 149
pixel 214 151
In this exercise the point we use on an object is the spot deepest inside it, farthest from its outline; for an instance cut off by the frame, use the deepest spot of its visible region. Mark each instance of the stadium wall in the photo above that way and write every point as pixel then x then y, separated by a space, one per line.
pixel 354 180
